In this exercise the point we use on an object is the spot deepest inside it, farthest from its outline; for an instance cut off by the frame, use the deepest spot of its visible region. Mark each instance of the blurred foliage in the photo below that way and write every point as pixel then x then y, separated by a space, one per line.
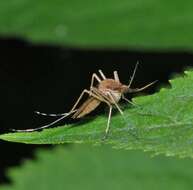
pixel 109 23
pixel 85 167
pixel 161 123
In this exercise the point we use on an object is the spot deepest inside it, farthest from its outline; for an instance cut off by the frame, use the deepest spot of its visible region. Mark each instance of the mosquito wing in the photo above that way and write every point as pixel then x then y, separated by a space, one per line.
pixel 88 106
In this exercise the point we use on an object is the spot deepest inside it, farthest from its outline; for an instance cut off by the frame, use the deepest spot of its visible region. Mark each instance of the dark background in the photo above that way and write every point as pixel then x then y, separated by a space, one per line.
pixel 50 78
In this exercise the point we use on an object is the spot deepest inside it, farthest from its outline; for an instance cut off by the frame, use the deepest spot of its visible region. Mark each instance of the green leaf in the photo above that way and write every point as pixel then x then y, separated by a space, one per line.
pixel 162 123
pixel 85 167
pixel 109 23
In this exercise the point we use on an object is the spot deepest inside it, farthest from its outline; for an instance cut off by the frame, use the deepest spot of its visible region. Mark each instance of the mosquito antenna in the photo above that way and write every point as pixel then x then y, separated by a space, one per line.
pixel 133 75
pixel 50 114
pixel 101 73
pixel 140 89
pixel 45 126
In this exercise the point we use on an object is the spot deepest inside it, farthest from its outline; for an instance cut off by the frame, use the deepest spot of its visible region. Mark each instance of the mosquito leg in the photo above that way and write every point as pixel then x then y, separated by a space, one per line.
pixel 107 99
pixel 66 114
pixel 72 110
pixel 94 76
pixel 117 106
pixel 50 114
pixel 108 122
pixel 42 127
pixel 108 102
pixel 102 97
pixel 133 75
pixel 56 121
pixel 130 102
pixel 116 76
pixel 133 134
pixel 94 93
pixel 102 74
pixel 80 97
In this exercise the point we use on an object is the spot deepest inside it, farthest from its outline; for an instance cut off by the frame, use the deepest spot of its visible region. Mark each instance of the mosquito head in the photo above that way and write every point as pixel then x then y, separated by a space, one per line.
pixel 125 89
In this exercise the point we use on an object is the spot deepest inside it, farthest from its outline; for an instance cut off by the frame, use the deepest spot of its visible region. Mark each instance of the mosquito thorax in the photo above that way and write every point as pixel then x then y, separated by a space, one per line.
pixel 112 86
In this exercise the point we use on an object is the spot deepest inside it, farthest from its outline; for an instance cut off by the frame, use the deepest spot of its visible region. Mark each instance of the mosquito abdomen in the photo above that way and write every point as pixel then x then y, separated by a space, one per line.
pixel 88 106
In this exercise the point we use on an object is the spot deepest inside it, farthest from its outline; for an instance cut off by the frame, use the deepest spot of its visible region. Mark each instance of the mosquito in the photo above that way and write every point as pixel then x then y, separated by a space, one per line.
pixel 109 91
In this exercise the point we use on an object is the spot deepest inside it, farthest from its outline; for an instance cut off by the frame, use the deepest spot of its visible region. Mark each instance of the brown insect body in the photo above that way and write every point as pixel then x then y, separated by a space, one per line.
pixel 108 91
pixel 111 86
pixel 89 105
pixel 105 87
